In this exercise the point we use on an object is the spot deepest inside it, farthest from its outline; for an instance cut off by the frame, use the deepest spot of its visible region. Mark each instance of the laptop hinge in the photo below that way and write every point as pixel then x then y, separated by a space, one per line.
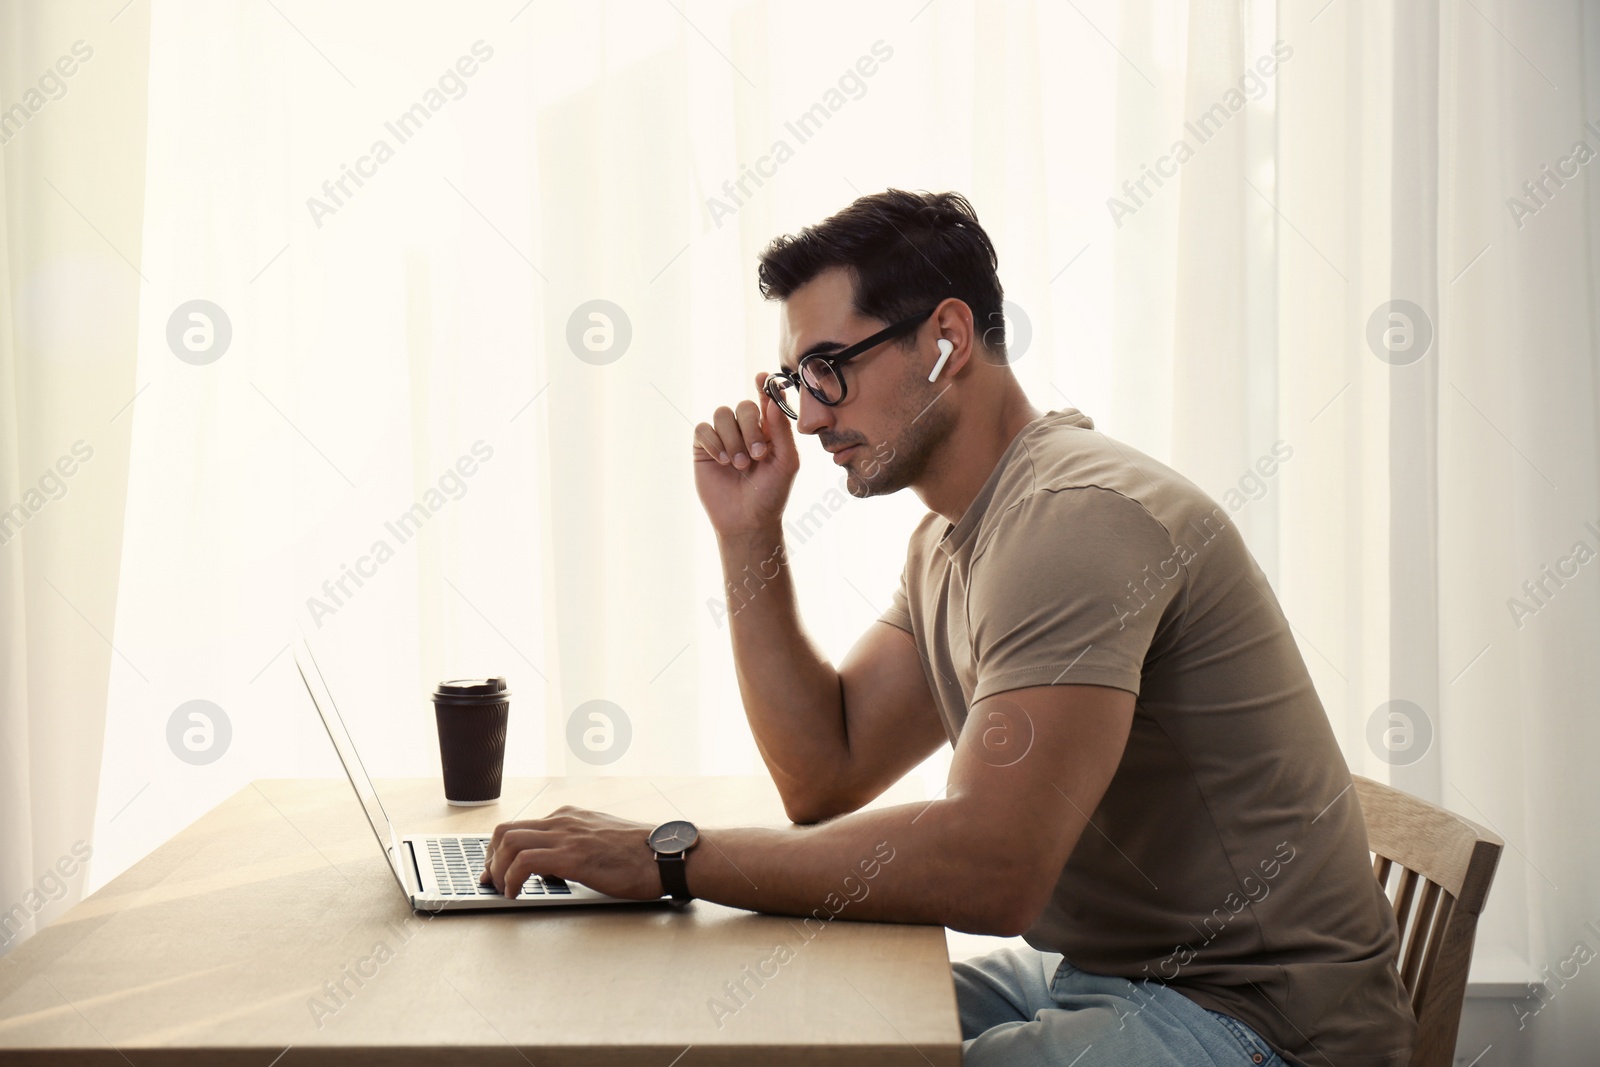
pixel 408 857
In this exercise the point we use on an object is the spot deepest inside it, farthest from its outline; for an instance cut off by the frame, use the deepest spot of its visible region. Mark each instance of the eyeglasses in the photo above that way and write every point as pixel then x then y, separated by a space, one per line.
pixel 819 371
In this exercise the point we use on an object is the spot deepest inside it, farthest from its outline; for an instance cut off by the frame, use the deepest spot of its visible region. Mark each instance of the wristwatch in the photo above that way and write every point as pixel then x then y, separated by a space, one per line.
pixel 672 842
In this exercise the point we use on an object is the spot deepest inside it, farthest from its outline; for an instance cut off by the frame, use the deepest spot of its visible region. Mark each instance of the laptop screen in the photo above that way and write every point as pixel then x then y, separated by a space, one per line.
pixel 377 818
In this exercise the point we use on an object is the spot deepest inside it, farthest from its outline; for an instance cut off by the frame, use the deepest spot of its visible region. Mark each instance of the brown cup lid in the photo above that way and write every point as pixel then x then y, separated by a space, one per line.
pixel 472 690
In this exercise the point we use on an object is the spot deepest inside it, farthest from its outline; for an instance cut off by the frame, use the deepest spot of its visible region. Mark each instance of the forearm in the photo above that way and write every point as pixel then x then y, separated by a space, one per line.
pixel 791 693
pixel 917 863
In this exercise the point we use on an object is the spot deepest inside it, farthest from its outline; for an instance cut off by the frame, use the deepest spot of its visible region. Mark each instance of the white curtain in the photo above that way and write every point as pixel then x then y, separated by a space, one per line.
pixel 1437 540
pixel 72 139
pixel 406 217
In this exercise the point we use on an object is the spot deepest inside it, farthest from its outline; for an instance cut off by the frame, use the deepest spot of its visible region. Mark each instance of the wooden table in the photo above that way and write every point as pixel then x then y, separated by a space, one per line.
pixel 222 946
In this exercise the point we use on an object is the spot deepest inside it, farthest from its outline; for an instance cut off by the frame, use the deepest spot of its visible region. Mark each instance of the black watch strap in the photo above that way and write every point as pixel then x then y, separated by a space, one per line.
pixel 674 876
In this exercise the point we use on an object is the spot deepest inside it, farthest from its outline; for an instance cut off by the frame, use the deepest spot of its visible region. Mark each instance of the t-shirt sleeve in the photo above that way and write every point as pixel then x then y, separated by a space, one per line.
pixel 899 612
pixel 1069 590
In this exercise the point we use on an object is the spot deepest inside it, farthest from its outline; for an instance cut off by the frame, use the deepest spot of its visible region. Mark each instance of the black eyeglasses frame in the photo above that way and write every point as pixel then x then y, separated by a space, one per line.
pixel 834 359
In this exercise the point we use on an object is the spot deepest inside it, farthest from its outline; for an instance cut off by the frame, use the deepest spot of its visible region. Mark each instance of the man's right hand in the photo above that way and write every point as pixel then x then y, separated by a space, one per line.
pixel 745 461
pixel 833 739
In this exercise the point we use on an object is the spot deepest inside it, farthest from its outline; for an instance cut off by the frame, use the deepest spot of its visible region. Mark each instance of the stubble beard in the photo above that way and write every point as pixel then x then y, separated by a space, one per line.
pixel 926 424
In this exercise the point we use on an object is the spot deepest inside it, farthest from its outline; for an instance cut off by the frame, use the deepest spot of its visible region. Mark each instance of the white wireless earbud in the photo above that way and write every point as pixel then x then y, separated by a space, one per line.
pixel 946 346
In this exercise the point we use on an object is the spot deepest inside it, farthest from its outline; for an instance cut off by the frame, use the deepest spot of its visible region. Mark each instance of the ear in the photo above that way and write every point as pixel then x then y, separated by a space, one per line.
pixel 952 321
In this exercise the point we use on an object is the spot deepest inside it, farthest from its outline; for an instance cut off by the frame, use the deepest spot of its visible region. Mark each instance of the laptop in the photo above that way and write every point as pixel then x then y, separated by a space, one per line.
pixel 436 872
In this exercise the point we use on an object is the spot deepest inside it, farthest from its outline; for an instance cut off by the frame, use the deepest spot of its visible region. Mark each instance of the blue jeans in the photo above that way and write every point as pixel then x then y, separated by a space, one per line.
pixel 1025 1008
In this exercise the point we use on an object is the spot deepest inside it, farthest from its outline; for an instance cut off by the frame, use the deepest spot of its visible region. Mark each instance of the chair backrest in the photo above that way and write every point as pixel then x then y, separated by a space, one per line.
pixel 1441 865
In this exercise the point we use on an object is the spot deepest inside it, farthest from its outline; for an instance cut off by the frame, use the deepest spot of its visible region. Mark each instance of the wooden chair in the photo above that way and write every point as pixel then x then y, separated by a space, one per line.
pixel 1449 861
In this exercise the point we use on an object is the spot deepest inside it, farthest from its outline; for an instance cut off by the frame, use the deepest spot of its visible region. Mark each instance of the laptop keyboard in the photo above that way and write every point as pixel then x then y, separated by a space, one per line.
pixel 457 861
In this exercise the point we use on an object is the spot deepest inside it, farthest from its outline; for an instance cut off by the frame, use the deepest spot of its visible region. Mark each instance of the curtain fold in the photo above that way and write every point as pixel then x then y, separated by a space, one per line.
pixel 73 151
pixel 1414 382
pixel 1519 488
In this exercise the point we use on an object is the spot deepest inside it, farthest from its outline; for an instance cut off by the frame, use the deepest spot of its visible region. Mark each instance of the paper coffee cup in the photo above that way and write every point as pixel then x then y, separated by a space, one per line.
pixel 471 715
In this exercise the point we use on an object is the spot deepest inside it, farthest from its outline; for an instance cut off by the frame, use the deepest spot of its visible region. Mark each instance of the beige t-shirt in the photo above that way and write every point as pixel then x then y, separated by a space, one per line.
pixel 1228 857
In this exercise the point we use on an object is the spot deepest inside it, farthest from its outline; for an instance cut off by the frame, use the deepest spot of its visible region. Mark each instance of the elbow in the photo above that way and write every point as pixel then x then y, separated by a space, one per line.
pixel 1003 915
pixel 1006 893
pixel 1029 888
pixel 1016 919
pixel 808 810
pixel 804 806
pixel 802 813
pixel 1003 871
pixel 818 803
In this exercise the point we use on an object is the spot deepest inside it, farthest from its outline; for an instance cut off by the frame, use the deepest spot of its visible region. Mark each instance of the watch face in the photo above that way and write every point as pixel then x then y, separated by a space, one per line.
pixel 671 838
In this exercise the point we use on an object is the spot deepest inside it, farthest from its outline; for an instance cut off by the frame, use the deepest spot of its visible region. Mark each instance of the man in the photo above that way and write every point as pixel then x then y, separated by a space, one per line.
pixel 1144 783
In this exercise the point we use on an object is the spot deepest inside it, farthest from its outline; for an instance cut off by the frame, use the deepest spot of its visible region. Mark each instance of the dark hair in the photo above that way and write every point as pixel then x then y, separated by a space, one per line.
pixel 905 252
